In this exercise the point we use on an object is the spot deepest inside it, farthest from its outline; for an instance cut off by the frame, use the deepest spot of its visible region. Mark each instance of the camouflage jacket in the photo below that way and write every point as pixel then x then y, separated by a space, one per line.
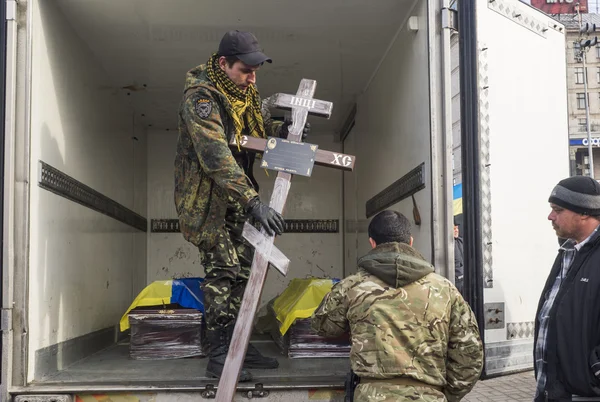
pixel 404 320
pixel 207 171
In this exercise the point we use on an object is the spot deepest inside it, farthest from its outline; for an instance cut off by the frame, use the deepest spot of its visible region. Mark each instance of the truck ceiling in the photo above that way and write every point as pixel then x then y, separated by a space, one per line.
pixel 147 46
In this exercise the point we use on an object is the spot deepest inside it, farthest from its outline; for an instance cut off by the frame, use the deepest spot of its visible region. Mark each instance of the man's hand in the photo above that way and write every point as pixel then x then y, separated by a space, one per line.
pixel 286 127
pixel 270 219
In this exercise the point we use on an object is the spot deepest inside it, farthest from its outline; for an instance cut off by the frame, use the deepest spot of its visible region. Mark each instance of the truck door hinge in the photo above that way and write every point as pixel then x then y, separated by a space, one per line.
pixel 209 392
pixel 11 10
pixel 450 19
pixel 258 392
pixel 43 398
pixel 5 320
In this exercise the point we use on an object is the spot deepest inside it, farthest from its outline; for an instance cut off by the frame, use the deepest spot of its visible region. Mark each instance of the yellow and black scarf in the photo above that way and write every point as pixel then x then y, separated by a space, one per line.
pixel 242 106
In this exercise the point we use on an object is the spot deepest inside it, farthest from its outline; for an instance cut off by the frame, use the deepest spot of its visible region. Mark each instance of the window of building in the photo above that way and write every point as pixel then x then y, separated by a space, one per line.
pixel 581 100
pixel 579 75
pixel 598 74
pixel 582 124
pixel 576 51
pixel 598 52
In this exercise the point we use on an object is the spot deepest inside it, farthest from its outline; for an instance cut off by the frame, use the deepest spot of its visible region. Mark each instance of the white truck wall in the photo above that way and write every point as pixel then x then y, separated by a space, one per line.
pixel 524 130
pixel 392 132
pixel 352 211
pixel 140 206
pixel 169 254
pixel 84 266
pixel 317 197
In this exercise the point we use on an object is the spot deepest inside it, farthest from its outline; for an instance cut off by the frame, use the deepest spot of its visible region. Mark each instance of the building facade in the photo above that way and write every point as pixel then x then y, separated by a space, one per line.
pixel 578 137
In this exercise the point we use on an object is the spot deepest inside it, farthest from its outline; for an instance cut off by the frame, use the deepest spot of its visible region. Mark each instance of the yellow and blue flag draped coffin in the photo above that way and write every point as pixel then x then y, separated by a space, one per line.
pixel 166 320
pixel 292 310
pixel 184 292
pixel 165 333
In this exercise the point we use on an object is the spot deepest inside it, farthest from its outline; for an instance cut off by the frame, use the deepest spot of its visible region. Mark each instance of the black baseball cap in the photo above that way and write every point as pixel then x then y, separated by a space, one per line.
pixel 244 46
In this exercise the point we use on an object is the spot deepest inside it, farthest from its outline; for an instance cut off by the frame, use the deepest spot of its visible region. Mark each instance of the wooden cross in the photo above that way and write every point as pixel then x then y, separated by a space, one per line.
pixel 302 104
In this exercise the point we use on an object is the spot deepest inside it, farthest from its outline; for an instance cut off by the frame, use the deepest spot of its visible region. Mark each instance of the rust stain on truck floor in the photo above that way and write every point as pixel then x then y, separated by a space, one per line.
pixel 326 394
pixel 115 398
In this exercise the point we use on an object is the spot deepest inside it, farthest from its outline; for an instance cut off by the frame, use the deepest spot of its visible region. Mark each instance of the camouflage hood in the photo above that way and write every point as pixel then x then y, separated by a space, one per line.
pixel 397 264
pixel 197 77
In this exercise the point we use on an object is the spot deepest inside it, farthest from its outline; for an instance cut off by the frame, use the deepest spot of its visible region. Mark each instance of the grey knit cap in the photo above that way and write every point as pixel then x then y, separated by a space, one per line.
pixel 580 194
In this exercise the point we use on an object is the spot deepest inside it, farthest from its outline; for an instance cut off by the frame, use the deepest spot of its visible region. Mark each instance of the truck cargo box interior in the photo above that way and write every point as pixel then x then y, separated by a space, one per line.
pixel 106 82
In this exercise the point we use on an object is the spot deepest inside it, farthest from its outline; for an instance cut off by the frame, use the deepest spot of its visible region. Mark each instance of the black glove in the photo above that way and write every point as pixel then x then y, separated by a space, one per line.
pixel 286 127
pixel 270 219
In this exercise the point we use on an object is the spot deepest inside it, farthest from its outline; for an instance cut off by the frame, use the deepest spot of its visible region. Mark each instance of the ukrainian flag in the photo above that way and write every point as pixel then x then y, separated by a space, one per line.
pixel 185 292
pixel 457 200
pixel 300 299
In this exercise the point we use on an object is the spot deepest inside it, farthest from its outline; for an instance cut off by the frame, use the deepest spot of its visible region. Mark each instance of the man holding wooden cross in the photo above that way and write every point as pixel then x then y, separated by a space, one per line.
pixel 215 190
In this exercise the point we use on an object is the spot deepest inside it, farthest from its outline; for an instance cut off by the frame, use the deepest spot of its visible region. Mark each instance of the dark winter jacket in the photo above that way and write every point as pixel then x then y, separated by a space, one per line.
pixel 573 339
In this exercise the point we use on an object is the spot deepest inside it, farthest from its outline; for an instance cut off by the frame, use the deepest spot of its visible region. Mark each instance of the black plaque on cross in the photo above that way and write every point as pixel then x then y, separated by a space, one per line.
pixel 302 104
pixel 289 156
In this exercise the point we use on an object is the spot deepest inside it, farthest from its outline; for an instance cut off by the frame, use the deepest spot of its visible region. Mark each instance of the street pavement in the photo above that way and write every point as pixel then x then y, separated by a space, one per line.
pixel 514 387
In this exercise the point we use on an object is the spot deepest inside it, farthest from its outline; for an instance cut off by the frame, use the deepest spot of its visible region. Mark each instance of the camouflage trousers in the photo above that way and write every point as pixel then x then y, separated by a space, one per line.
pixel 396 393
pixel 226 270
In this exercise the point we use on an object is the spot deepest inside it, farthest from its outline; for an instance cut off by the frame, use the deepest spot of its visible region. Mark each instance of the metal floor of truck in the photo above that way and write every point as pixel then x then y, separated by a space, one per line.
pixel 113 366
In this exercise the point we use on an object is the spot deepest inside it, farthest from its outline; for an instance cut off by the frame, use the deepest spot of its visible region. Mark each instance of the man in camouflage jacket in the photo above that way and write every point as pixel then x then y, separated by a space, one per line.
pixel 413 335
pixel 215 190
